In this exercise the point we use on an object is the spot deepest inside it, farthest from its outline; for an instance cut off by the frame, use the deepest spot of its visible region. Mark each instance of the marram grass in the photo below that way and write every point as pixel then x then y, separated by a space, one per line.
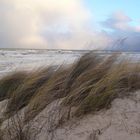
pixel 89 84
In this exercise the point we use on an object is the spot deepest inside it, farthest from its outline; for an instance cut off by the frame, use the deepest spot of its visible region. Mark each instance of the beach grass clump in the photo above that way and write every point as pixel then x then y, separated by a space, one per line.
pixel 10 83
pixel 89 84
pixel 31 84
pixel 52 90
pixel 87 80
pixel 118 82
pixel 60 84
pixel 81 66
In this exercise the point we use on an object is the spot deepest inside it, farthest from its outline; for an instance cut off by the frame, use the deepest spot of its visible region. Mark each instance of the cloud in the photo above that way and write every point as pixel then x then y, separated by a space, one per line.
pixel 18 25
pixel 124 35
pixel 24 22
pixel 57 24
pixel 48 24
pixel 119 21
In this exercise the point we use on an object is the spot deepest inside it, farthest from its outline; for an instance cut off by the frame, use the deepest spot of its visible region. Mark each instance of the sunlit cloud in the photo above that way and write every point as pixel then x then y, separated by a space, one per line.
pixel 120 21
pixel 124 35
pixel 60 24
pixel 26 23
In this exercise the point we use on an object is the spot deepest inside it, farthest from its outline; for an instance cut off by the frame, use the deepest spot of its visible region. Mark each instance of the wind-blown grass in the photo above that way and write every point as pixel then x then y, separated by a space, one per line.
pixel 88 85
pixel 10 83
pixel 31 84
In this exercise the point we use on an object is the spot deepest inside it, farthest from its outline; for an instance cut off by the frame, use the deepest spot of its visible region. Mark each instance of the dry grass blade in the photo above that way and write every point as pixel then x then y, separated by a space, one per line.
pixel 22 95
pixel 121 79
pixel 87 80
pixel 90 84
pixel 49 92
pixel 10 83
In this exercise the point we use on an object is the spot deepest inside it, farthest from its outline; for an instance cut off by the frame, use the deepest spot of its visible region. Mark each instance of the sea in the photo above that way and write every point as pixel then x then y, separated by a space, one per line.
pixel 30 59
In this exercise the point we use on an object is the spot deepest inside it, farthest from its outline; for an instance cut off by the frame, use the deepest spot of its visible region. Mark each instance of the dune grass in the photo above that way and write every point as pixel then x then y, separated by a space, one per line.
pixel 10 83
pixel 118 82
pixel 52 90
pixel 89 84
pixel 31 84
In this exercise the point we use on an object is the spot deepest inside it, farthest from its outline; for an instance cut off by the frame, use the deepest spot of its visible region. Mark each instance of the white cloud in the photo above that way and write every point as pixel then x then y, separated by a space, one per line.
pixel 47 24
pixel 17 24
pixel 57 24
pixel 124 35
pixel 121 22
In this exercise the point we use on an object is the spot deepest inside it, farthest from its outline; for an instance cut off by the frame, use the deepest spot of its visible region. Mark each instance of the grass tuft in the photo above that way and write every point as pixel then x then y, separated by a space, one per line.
pixel 89 85
pixel 10 83
pixel 31 84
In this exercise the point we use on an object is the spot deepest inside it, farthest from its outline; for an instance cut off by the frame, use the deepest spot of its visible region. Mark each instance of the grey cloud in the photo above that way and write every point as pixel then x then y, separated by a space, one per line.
pixel 124 36
pixel 121 22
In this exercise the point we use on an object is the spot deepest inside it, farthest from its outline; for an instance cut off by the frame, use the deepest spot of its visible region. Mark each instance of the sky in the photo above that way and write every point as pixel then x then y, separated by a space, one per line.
pixel 69 24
